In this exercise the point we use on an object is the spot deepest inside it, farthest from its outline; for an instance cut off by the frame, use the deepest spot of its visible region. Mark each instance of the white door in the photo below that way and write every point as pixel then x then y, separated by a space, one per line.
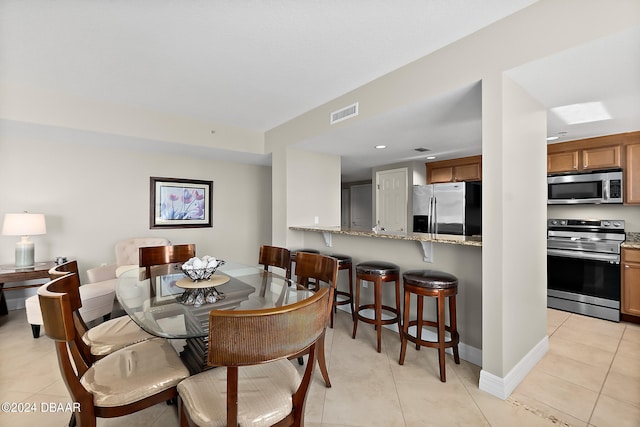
pixel 361 207
pixel 391 199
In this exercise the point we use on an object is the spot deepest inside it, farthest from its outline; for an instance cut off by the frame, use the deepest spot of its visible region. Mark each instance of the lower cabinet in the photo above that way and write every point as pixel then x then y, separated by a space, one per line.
pixel 630 303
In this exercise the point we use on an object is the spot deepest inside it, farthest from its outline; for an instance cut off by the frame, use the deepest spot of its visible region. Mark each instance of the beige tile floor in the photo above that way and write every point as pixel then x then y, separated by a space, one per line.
pixel 590 377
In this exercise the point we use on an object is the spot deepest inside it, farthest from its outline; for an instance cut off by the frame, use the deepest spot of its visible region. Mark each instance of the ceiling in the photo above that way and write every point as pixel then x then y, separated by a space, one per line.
pixel 256 65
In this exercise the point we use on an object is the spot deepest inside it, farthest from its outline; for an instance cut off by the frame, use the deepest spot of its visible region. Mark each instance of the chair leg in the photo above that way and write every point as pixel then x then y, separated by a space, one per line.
pixel 357 308
pixel 454 327
pixel 35 331
pixel 405 327
pixel 300 361
pixel 399 316
pixel 378 315
pixel 351 291
pixel 420 308
pixel 441 355
pixel 322 361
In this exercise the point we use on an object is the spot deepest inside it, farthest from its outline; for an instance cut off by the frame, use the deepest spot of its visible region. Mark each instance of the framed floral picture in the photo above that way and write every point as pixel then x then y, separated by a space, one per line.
pixel 180 203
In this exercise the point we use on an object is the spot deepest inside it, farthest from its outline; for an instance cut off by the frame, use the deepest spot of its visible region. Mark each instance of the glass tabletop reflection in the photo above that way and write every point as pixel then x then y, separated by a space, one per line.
pixel 154 302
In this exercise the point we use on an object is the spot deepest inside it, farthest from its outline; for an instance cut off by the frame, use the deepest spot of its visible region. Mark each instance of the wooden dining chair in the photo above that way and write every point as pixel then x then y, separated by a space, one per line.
pixel 159 255
pixel 105 338
pixel 274 256
pixel 123 382
pixel 258 386
pixel 323 270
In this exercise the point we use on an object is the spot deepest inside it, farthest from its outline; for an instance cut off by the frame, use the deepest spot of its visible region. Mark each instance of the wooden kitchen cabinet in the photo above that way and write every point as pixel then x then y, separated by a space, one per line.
pixel 632 174
pixel 562 162
pixel 630 295
pixel 455 170
pixel 584 159
pixel 601 158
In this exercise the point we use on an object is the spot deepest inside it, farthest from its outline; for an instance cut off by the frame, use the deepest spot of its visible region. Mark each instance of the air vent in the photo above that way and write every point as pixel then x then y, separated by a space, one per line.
pixel 344 113
pixel 421 149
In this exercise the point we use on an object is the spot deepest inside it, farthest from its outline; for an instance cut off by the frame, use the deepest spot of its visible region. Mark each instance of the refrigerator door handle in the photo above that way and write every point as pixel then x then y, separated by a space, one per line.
pixel 434 216
pixel 430 222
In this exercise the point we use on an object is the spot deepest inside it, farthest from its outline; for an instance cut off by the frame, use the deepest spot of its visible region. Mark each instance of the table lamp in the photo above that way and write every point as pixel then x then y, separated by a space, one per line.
pixel 25 225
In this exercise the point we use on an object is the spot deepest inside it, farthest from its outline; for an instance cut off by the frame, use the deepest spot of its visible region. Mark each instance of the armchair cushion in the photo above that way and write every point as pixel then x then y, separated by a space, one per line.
pixel 262 389
pixel 113 335
pixel 97 301
pixel 134 373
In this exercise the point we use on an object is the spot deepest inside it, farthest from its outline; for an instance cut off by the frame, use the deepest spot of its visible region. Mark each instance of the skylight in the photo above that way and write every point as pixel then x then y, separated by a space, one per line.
pixel 582 113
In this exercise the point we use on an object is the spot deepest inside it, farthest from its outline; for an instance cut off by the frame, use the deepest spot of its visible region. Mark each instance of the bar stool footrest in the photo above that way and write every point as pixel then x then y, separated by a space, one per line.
pixel 453 341
pixel 385 308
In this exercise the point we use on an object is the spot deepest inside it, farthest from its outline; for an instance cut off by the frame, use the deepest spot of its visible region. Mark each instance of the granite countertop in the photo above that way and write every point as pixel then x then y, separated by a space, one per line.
pixel 633 241
pixel 420 237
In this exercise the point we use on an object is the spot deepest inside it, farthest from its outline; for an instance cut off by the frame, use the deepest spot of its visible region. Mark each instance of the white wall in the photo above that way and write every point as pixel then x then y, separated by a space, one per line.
pixel 93 196
pixel 310 187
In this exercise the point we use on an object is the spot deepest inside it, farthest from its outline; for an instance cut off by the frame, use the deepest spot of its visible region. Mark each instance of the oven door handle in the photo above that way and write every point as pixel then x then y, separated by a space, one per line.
pixel 613 258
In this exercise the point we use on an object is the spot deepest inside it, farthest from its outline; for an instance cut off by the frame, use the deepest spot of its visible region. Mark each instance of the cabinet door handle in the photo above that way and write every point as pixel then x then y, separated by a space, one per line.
pixel 626 266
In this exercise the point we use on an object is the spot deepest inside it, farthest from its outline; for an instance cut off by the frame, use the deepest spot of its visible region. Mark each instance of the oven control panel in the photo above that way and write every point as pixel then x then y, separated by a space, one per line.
pixel 612 224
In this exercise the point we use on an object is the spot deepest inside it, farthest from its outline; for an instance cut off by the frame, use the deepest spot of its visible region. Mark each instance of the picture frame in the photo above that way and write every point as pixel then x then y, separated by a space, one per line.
pixel 180 203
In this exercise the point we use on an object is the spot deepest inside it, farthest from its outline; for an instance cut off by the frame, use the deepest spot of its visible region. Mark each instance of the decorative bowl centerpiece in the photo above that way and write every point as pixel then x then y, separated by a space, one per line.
pixel 200 285
pixel 198 269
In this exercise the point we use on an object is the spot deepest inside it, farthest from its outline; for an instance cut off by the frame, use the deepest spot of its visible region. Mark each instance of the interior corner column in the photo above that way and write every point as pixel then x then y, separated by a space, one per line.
pixel 306 188
pixel 514 234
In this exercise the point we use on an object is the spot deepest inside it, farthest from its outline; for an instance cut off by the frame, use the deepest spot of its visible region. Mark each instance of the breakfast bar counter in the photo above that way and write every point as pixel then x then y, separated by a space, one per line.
pixel 420 237
pixel 460 256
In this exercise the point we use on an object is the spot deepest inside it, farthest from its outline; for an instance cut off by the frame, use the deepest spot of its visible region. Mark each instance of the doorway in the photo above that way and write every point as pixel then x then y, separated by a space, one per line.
pixel 392 199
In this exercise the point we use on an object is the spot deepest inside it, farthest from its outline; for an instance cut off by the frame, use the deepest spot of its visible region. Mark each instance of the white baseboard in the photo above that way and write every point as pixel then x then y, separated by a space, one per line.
pixel 503 387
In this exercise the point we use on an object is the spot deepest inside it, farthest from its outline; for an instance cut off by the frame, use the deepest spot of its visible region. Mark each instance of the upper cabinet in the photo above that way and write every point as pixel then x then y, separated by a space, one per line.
pixel 620 151
pixel 632 174
pixel 455 170
pixel 568 158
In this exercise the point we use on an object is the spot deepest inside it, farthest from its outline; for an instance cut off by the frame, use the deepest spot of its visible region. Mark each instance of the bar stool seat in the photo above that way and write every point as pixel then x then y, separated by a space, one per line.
pixel 345 262
pixel 440 285
pixel 378 272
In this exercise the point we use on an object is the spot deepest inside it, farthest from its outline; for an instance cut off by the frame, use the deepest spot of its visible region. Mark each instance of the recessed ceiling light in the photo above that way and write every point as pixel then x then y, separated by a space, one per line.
pixel 431 157
pixel 380 147
pixel 552 138
pixel 582 113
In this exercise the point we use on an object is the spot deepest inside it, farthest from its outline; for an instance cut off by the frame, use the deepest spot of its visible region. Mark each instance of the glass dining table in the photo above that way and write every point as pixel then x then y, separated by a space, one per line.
pixel 154 302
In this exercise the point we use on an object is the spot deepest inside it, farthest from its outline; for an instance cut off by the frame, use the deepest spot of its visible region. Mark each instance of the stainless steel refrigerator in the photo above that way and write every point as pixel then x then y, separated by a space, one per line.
pixel 448 208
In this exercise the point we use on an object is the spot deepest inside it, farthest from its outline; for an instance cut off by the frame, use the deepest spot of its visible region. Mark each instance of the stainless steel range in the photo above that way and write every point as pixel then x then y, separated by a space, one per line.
pixel 583 266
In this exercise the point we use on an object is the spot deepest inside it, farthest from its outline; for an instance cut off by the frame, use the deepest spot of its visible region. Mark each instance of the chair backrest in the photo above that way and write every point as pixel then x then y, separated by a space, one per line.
pixel 321 268
pixel 159 255
pixel 127 250
pixel 72 288
pixel 276 257
pixel 267 335
pixel 58 308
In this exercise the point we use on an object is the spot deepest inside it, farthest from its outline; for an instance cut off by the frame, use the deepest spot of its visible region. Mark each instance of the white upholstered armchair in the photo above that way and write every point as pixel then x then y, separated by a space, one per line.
pixel 126 258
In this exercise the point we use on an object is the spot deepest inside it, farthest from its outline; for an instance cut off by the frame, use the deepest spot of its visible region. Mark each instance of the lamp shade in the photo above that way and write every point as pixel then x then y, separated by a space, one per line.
pixel 23 224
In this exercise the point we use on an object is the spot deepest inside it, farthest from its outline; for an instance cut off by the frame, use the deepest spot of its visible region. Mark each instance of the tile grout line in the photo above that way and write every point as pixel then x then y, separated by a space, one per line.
pixel 607 375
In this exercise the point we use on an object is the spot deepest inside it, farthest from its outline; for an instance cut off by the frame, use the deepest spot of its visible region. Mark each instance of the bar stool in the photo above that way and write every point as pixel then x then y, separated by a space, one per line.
pixel 431 283
pixel 378 272
pixel 345 262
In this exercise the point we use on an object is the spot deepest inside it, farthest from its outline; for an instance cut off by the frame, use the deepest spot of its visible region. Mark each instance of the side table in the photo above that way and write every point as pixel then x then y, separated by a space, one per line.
pixel 9 273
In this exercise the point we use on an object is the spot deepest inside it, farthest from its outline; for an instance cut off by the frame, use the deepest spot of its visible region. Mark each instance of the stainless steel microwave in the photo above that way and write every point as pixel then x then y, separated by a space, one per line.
pixel 585 188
